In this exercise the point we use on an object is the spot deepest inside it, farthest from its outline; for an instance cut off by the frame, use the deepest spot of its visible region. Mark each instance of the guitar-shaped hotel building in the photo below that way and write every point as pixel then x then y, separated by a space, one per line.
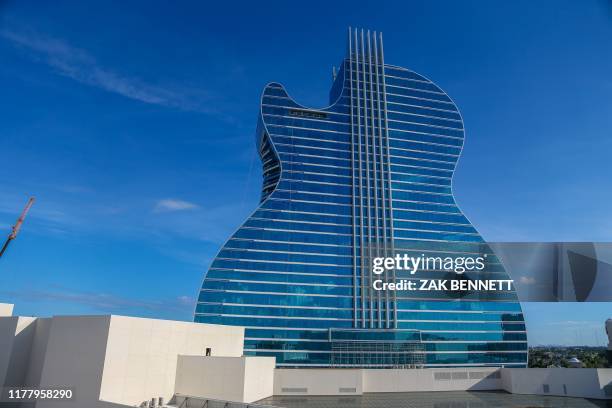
pixel 368 176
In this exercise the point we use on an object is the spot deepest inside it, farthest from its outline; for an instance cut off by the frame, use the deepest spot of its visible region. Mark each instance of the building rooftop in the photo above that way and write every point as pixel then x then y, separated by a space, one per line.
pixel 449 399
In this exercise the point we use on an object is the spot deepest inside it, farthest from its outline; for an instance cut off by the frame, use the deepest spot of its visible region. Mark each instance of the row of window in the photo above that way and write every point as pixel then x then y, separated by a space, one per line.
pixel 334 234
pixel 318 292
pixel 298 359
pixel 399 101
pixel 306 323
pixel 348 314
pixel 271 221
pixel 286 191
pixel 419 141
pixel 412 249
pixel 261 345
pixel 323 335
pixel 271 283
pixel 347 303
pixel 286 144
pixel 426 221
pixel 363 90
pixel 336 279
pixel 442 134
pixel 372 120
pixel 401 166
pixel 334 238
pixel 295 166
pixel 404 212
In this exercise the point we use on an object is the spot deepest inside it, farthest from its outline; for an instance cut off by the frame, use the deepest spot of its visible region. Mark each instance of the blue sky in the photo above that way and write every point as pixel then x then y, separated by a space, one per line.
pixel 132 124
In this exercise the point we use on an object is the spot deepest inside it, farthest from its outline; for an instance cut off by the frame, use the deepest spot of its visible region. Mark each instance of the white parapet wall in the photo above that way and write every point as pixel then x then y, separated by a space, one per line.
pixel 432 379
pixel 106 360
pixel 16 338
pixel 358 381
pixel 236 379
pixel 142 354
pixel 311 381
pixel 572 382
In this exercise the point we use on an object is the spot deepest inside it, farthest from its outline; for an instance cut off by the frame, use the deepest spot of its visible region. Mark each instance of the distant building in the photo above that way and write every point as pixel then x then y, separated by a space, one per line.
pixel 609 332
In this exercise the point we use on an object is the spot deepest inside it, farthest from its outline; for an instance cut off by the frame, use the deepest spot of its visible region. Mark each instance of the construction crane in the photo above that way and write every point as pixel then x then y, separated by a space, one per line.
pixel 17 226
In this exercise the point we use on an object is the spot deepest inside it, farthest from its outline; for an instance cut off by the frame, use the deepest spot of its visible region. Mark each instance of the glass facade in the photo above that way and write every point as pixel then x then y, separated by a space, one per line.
pixel 370 175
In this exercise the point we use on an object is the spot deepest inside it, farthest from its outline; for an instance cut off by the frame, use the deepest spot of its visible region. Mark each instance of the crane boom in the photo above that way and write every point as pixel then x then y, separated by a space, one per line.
pixel 17 225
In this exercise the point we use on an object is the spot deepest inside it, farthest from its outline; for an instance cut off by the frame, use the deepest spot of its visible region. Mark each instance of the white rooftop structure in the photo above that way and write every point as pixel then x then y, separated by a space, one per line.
pixel 116 361
pixel 6 309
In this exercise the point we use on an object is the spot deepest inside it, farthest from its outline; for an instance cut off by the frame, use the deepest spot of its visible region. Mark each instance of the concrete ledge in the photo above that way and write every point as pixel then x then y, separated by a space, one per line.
pixel 357 381
pixel 312 381
pixel 237 379
pixel 569 382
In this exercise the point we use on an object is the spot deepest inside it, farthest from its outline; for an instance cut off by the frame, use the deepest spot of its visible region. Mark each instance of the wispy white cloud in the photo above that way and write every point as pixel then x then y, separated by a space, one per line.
pixel 575 323
pixel 81 66
pixel 106 302
pixel 172 204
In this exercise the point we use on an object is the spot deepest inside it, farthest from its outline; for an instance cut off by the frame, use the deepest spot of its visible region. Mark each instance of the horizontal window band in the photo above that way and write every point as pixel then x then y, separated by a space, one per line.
pixel 328 285
pixel 345 319
pixel 373 228
pixel 296 231
pixel 371 156
pixel 301 212
pixel 287 262
pixel 228 248
pixel 314 174
pixel 280 306
pixel 390 103
pixel 363 131
pixel 442 232
pixel 291 340
pixel 289 220
pixel 307 329
pixel 372 199
pixel 349 220
pixel 292 242
pixel 348 133
pixel 359 92
pixel 369 153
pixel 334 112
pixel 275 293
pixel 274 317
pixel 282 272
pixel 460 365
pixel 373 352
pixel 284 294
pixel 416 89
pixel 439 311
pixel 429 240
pixel 405 79
pixel 378 125
pixel 380 229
